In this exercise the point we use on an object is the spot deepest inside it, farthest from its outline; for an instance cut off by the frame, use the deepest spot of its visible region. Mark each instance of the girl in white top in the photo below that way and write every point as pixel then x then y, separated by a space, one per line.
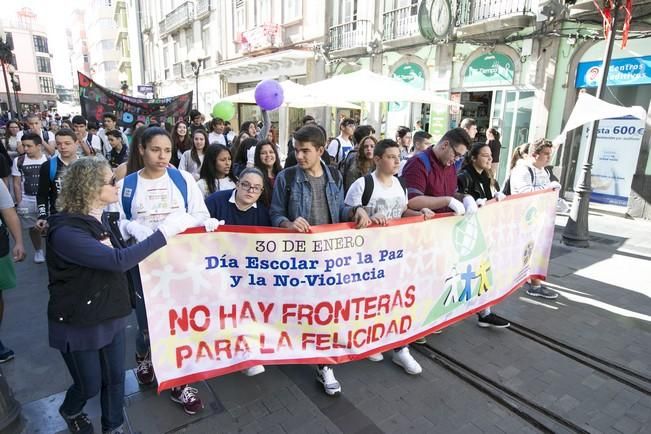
pixel 528 173
pixel 192 159
pixel 216 173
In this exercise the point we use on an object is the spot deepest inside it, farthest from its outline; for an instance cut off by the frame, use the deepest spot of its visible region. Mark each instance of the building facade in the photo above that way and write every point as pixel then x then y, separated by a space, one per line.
pixel 102 34
pixel 31 71
pixel 511 63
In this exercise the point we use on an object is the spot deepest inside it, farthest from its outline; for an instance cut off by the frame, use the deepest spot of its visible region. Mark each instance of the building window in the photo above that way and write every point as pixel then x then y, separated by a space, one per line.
pixel 43 64
pixel 262 12
pixel 40 44
pixel 175 47
pixel 240 17
pixel 205 34
pixel 292 10
pixel 47 84
pixel 189 39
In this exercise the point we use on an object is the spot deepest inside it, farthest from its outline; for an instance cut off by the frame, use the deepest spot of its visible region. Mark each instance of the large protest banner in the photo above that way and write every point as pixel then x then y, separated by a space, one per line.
pixel 96 100
pixel 224 301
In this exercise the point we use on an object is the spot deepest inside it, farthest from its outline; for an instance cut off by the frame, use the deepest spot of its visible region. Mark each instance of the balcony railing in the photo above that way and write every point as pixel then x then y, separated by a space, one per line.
pixel 401 23
pixel 177 70
pixel 203 7
pixel 179 17
pixel 476 11
pixel 353 34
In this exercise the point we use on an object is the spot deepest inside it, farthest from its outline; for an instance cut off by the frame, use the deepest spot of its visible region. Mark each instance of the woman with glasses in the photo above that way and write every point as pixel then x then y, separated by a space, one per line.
pixel 242 206
pixel 90 300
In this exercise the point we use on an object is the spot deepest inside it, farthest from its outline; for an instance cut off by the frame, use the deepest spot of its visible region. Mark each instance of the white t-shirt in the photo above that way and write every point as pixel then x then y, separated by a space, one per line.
pixel 216 138
pixel 30 174
pixel 50 136
pixel 220 185
pixel 95 143
pixel 346 146
pixel 390 201
pixel 155 199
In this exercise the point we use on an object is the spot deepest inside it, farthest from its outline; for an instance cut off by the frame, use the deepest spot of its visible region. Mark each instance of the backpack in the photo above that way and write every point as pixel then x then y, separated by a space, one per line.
pixel 89 142
pixel 338 149
pixel 369 185
pixel 131 182
pixel 54 162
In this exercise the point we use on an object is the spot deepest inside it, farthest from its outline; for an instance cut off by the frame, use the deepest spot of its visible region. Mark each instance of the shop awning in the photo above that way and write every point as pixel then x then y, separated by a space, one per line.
pixel 288 63
pixel 364 85
pixel 295 96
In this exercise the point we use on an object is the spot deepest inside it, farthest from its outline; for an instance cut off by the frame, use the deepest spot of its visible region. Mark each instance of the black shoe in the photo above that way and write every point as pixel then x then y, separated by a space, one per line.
pixel 492 320
pixel 6 355
pixel 78 424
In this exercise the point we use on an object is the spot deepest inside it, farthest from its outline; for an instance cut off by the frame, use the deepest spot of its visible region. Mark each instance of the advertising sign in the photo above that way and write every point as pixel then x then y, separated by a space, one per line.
pixel 490 69
pixel 629 71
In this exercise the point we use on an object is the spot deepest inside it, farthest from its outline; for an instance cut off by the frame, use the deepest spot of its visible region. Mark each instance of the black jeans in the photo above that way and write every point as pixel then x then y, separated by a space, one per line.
pixel 97 371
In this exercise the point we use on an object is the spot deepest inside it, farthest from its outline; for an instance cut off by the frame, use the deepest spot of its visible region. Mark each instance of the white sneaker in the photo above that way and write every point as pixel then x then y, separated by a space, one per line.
pixel 253 370
pixel 405 360
pixel 376 357
pixel 39 256
pixel 326 376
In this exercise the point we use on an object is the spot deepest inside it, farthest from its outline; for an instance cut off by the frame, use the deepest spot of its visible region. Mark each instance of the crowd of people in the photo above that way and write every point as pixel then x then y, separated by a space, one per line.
pixel 103 199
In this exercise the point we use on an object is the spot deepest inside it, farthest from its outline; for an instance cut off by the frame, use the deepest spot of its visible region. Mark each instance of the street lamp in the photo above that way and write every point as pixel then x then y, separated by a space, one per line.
pixel 195 62
pixel 15 84
pixel 6 56
pixel 576 230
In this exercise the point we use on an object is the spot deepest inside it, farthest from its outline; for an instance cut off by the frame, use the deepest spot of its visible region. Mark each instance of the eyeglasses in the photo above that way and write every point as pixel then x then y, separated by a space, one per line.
pixel 457 155
pixel 112 181
pixel 247 186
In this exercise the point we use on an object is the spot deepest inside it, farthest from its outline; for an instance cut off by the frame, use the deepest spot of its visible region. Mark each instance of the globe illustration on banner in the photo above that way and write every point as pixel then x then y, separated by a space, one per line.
pixel 468 238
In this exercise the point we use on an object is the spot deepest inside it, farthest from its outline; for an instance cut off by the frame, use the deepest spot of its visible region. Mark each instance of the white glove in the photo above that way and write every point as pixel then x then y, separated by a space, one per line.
pixel 470 205
pixel 500 196
pixel 138 231
pixel 211 224
pixel 481 202
pixel 456 206
pixel 555 185
pixel 176 223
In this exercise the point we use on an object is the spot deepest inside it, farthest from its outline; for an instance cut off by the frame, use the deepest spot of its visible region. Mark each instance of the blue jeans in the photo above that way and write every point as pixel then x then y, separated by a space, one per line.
pixel 97 371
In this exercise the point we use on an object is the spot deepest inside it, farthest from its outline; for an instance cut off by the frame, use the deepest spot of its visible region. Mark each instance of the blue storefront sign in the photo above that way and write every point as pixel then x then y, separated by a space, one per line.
pixel 630 71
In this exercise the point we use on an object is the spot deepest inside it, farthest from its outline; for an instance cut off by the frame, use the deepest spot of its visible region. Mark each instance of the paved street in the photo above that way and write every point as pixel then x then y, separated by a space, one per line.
pixel 581 363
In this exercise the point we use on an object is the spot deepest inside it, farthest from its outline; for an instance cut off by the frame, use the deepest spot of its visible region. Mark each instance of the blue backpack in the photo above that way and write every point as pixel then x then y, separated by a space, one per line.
pixel 131 182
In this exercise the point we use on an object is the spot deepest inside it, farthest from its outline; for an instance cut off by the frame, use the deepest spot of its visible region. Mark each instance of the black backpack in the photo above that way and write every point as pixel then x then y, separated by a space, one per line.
pixel 369 185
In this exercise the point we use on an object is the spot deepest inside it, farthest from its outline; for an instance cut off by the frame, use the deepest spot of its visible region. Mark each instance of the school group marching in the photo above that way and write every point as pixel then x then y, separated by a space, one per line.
pixel 101 200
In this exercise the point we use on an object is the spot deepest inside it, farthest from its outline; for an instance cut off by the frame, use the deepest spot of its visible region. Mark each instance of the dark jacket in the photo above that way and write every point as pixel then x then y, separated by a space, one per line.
pixel 475 184
pixel 87 280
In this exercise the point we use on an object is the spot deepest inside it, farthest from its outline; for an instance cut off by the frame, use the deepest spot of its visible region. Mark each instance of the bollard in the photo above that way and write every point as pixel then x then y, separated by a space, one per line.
pixel 9 407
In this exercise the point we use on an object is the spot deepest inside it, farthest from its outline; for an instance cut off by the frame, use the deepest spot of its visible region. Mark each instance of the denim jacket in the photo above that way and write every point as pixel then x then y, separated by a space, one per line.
pixel 292 201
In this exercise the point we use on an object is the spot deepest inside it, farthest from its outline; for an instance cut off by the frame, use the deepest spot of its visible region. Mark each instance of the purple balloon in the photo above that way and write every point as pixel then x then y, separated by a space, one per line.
pixel 269 95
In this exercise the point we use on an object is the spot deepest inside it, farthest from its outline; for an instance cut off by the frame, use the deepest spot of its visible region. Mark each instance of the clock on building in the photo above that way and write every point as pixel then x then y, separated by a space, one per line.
pixel 435 19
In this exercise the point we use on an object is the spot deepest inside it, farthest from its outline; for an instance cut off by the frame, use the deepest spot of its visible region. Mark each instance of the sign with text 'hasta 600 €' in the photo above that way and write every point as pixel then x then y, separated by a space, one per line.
pixel 224 301
pixel 96 100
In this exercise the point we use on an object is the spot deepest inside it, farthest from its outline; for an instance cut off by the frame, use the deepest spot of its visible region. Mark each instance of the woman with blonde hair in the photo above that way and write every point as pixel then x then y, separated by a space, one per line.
pixel 90 299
